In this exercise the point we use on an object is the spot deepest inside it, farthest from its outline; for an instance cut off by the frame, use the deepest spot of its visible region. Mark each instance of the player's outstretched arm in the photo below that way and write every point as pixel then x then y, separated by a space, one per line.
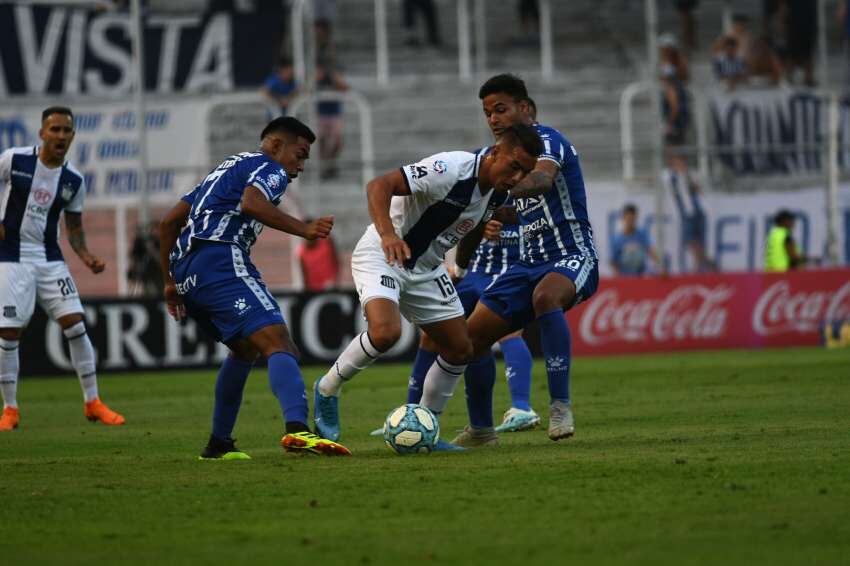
pixel 379 194
pixel 538 181
pixel 77 239
pixel 169 231
pixel 255 204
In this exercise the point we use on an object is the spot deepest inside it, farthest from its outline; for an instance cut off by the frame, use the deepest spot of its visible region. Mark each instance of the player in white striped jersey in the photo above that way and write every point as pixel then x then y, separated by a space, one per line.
pixel 37 185
pixel 420 212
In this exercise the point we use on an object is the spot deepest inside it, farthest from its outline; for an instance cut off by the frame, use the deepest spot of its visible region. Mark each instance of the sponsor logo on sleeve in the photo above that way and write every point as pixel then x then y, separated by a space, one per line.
pixel 440 166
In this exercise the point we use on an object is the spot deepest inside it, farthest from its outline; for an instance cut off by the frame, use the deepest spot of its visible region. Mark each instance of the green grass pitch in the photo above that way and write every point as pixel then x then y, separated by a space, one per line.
pixel 713 458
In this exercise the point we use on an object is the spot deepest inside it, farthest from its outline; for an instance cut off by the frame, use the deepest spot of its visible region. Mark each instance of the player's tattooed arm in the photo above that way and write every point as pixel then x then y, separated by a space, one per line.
pixel 379 194
pixel 255 204
pixel 467 245
pixel 538 181
pixel 77 239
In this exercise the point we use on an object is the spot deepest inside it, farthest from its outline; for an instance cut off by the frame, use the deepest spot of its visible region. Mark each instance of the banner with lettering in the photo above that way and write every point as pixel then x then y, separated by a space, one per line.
pixel 780 131
pixel 738 310
pixel 106 150
pixel 135 334
pixel 77 50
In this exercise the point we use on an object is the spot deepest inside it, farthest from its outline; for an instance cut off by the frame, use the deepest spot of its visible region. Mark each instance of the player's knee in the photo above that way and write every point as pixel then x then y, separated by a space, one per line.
pixel 384 336
pixel 544 300
pixel 10 333
pixel 461 353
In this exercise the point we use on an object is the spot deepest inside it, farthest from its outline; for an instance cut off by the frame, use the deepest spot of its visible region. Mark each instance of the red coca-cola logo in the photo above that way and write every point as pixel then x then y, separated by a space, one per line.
pixel 781 310
pixel 41 197
pixel 687 312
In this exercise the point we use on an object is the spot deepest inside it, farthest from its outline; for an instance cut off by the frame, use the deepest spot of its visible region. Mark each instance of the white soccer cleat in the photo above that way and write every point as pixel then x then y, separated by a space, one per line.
pixel 471 437
pixel 516 420
pixel 561 423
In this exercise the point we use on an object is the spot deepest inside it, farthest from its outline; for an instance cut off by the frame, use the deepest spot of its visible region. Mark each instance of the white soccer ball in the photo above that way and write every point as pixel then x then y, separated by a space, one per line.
pixel 411 429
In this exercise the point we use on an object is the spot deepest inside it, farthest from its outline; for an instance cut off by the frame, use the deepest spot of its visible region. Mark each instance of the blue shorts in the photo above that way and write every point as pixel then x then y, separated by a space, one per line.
pixel 693 229
pixel 223 291
pixel 510 296
pixel 470 289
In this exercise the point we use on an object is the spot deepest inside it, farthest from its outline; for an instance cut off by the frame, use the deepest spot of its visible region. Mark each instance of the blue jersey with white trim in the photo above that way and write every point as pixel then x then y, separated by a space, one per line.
pixel 493 257
pixel 556 224
pixel 216 213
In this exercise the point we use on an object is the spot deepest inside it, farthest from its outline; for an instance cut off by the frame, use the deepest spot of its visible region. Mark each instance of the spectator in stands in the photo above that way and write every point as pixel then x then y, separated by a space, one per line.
pixel 780 251
pixel 529 22
pixel 687 23
pixel 729 67
pixel 330 119
pixel 741 32
pixel 145 275
pixel 674 108
pixel 671 57
pixel 280 87
pixel 632 247
pixel 429 12
pixel 687 196
pixel 763 65
pixel 319 263
pixel 801 26
pixel 325 46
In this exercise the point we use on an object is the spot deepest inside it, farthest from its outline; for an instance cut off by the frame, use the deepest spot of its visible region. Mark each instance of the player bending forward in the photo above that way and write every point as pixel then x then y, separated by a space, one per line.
pixel 419 212
pixel 211 278
pixel 557 268
pixel 36 186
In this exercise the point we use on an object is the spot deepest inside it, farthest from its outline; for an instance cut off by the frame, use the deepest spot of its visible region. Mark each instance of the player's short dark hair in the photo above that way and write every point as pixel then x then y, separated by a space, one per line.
pixel 56 110
pixel 532 106
pixel 784 215
pixel 506 83
pixel 630 207
pixel 525 137
pixel 289 125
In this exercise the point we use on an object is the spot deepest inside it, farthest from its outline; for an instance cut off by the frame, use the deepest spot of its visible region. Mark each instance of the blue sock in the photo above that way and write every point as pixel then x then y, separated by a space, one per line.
pixel 479 379
pixel 288 386
pixel 555 340
pixel 423 362
pixel 518 371
pixel 228 395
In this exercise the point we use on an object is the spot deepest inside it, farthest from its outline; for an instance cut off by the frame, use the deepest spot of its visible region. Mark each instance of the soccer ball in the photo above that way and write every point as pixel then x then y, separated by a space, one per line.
pixel 410 429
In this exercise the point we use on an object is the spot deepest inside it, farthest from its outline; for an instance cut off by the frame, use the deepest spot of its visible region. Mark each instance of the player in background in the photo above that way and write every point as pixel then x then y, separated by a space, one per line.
pixel 419 212
pixel 205 242
pixel 498 250
pixel 557 268
pixel 37 185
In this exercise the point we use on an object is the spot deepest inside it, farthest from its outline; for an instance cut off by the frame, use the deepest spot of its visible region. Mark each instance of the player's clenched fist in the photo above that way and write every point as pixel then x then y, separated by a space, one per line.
pixel 94 263
pixel 319 228
pixel 493 230
pixel 174 302
pixel 396 250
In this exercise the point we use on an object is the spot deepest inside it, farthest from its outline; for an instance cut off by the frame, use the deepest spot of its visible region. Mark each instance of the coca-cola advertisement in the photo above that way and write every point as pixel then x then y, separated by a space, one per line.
pixel 739 310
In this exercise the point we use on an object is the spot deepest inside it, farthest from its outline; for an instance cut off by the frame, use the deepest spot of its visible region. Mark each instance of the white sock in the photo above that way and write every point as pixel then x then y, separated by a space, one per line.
pixel 82 358
pixel 440 383
pixel 9 367
pixel 357 356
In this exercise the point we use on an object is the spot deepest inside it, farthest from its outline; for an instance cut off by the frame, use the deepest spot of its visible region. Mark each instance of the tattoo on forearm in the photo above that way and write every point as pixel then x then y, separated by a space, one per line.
pixel 76 236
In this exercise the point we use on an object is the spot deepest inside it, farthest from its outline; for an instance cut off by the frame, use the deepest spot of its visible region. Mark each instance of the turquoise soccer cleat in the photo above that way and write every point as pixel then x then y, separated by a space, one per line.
pixel 444 446
pixel 325 414
pixel 516 420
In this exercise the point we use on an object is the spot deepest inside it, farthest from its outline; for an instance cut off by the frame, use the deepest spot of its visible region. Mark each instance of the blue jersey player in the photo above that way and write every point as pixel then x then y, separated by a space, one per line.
pixel 205 241
pixel 557 268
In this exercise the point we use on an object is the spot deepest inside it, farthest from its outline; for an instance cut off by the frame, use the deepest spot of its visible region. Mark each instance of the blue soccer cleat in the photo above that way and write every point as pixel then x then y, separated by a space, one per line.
pixel 377 432
pixel 516 420
pixel 444 446
pixel 325 414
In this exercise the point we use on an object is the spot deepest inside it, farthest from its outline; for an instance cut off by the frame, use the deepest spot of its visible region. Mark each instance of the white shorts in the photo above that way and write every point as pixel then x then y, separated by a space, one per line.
pixel 21 283
pixel 422 297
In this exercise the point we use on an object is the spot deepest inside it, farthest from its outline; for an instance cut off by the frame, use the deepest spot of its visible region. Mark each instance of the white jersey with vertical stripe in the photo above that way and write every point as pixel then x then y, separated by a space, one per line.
pixel 556 224
pixel 216 213
pixel 445 204
pixel 32 197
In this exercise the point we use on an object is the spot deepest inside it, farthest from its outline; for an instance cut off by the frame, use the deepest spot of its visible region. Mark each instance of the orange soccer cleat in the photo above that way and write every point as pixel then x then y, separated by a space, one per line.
pixel 98 411
pixel 10 419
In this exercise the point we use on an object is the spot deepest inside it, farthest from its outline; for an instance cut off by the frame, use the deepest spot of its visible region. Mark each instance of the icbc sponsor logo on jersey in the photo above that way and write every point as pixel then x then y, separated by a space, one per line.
pixel 716 311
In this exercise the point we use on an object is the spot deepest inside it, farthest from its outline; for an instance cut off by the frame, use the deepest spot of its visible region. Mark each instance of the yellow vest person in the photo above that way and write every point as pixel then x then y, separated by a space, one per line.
pixel 780 252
